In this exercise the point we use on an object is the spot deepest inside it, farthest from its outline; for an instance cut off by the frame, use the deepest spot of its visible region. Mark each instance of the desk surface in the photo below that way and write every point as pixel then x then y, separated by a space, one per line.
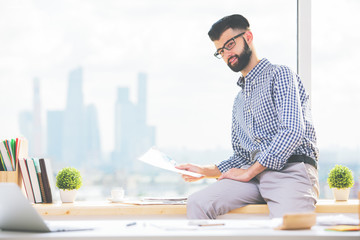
pixel 119 209
pixel 181 229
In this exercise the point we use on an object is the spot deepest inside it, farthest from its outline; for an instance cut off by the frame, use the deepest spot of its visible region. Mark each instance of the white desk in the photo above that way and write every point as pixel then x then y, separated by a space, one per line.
pixel 180 229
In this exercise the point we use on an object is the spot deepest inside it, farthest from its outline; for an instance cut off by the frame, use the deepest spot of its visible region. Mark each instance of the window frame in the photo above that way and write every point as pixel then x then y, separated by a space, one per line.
pixel 304 42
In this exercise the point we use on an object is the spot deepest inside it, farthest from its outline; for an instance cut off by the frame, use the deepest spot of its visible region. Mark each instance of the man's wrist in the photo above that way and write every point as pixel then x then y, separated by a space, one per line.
pixel 254 170
pixel 210 171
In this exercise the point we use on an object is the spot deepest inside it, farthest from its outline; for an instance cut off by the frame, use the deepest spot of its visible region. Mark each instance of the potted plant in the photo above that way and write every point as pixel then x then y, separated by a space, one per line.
pixel 340 179
pixel 68 180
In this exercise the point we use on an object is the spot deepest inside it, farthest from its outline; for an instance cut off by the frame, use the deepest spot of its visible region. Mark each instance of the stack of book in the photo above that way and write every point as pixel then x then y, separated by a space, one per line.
pixel 10 151
pixel 38 179
pixel 36 174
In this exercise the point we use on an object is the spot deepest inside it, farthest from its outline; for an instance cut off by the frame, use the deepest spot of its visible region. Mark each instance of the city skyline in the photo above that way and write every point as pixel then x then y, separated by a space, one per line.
pixel 73 134
pixel 115 41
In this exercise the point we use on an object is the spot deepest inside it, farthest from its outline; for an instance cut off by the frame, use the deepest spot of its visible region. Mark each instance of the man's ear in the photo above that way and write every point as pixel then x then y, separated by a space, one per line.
pixel 248 36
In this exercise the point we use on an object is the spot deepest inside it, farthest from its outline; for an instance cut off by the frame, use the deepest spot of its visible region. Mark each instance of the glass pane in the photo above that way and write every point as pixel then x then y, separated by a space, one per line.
pixel 93 84
pixel 335 87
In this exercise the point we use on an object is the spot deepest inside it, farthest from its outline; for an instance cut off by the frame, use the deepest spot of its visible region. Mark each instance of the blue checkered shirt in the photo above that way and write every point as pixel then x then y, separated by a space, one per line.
pixel 271 119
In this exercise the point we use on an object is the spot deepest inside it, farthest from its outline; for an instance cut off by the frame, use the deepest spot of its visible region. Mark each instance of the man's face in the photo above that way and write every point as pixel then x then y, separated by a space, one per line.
pixel 239 56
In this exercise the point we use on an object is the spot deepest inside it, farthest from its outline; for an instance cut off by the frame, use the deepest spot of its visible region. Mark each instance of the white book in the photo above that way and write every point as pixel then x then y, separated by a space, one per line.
pixel 5 156
pixel 23 148
pixel 34 180
pixel 26 179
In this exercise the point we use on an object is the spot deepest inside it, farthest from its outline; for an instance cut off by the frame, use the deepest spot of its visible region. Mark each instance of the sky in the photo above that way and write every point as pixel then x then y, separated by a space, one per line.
pixel 190 92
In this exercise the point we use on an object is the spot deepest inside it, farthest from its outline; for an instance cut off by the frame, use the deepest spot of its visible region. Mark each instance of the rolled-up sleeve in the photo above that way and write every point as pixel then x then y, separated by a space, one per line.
pixel 291 128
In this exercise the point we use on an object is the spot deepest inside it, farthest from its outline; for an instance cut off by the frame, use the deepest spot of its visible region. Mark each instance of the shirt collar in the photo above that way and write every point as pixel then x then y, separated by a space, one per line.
pixel 253 73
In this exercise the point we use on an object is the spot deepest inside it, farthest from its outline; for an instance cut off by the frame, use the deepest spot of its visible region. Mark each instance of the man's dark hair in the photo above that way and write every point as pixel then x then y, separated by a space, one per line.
pixel 235 21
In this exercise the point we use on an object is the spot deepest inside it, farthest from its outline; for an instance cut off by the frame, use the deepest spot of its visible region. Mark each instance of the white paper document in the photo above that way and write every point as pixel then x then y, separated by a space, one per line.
pixel 159 159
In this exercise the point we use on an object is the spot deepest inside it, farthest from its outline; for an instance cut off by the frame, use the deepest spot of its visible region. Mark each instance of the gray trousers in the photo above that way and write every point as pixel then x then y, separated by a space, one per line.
pixel 295 188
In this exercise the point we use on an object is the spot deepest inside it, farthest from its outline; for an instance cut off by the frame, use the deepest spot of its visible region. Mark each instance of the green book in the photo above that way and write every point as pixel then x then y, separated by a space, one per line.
pixel 2 165
pixel 13 151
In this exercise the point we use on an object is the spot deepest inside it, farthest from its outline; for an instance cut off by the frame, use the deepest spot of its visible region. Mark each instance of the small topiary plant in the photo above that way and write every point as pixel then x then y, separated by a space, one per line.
pixel 340 177
pixel 68 178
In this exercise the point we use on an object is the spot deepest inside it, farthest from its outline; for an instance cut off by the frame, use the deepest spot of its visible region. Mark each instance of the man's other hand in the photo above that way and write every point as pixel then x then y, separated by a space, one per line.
pixel 236 174
pixel 191 168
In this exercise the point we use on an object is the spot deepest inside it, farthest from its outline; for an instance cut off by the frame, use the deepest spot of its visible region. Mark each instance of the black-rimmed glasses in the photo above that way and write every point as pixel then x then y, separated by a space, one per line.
pixel 228 45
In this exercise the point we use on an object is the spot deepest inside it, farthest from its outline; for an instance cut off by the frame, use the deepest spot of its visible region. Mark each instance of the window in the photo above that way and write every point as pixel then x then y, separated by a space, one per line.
pixel 335 87
pixel 92 84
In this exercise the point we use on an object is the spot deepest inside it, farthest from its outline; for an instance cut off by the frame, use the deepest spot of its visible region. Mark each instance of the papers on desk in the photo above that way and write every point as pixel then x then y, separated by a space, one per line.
pixel 157 201
pixel 199 225
pixel 338 219
pixel 169 201
pixel 339 223
pixel 159 159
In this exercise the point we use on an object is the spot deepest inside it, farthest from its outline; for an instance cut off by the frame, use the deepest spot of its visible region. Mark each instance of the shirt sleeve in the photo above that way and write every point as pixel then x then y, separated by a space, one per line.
pixel 237 160
pixel 291 128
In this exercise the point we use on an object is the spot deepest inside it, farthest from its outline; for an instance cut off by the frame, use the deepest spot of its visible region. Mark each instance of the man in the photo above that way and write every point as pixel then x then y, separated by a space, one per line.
pixel 273 137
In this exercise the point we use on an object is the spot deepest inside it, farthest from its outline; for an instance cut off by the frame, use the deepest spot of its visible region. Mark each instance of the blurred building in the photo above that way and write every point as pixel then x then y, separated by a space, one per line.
pixel 54 136
pixel 74 119
pixel 73 134
pixel 132 134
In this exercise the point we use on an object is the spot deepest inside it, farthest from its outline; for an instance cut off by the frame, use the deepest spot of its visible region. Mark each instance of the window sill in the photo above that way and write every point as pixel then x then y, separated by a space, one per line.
pixel 120 209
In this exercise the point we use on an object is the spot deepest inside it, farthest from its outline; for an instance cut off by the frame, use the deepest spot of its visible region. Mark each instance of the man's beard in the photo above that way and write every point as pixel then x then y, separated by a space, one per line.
pixel 242 60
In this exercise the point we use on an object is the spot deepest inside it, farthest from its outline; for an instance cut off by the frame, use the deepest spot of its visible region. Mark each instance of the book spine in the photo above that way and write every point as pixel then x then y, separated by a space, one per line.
pixel 50 175
pixel 45 180
pixel 2 165
pixel 9 150
pixel 5 157
pixel 42 190
pixel 34 180
pixel 26 179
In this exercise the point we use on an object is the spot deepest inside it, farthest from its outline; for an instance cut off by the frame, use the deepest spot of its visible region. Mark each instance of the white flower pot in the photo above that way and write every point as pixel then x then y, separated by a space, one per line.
pixel 341 194
pixel 68 196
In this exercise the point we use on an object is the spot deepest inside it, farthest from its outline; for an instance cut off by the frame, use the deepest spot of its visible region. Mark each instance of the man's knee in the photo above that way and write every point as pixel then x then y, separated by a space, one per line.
pixel 200 207
pixel 280 209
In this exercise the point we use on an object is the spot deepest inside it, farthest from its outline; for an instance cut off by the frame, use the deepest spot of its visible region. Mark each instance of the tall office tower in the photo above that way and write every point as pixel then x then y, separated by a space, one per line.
pixel 123 126
pixel 92 136
pixel 36 139
pixel 54 137
pixel 74 134
pixel 132 135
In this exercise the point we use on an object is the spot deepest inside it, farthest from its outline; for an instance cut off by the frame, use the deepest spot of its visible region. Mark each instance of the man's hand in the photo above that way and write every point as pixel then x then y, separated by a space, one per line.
pixel 237 174
pixel 243 175
pixel 210 171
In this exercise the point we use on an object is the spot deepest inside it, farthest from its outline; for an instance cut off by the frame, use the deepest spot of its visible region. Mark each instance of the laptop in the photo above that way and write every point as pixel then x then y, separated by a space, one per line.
pixel 17 213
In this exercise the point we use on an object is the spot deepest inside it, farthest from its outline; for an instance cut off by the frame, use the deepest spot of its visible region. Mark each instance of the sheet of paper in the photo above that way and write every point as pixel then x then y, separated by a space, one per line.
pixel 159 159
pixel 338 219
pixel 142 202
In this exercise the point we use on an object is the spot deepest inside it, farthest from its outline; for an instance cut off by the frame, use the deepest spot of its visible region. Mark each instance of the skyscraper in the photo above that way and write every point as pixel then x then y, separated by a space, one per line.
pixel 92 136
pixel 73 134
pixel 74 130
pixel 132 134
pixel 54 137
